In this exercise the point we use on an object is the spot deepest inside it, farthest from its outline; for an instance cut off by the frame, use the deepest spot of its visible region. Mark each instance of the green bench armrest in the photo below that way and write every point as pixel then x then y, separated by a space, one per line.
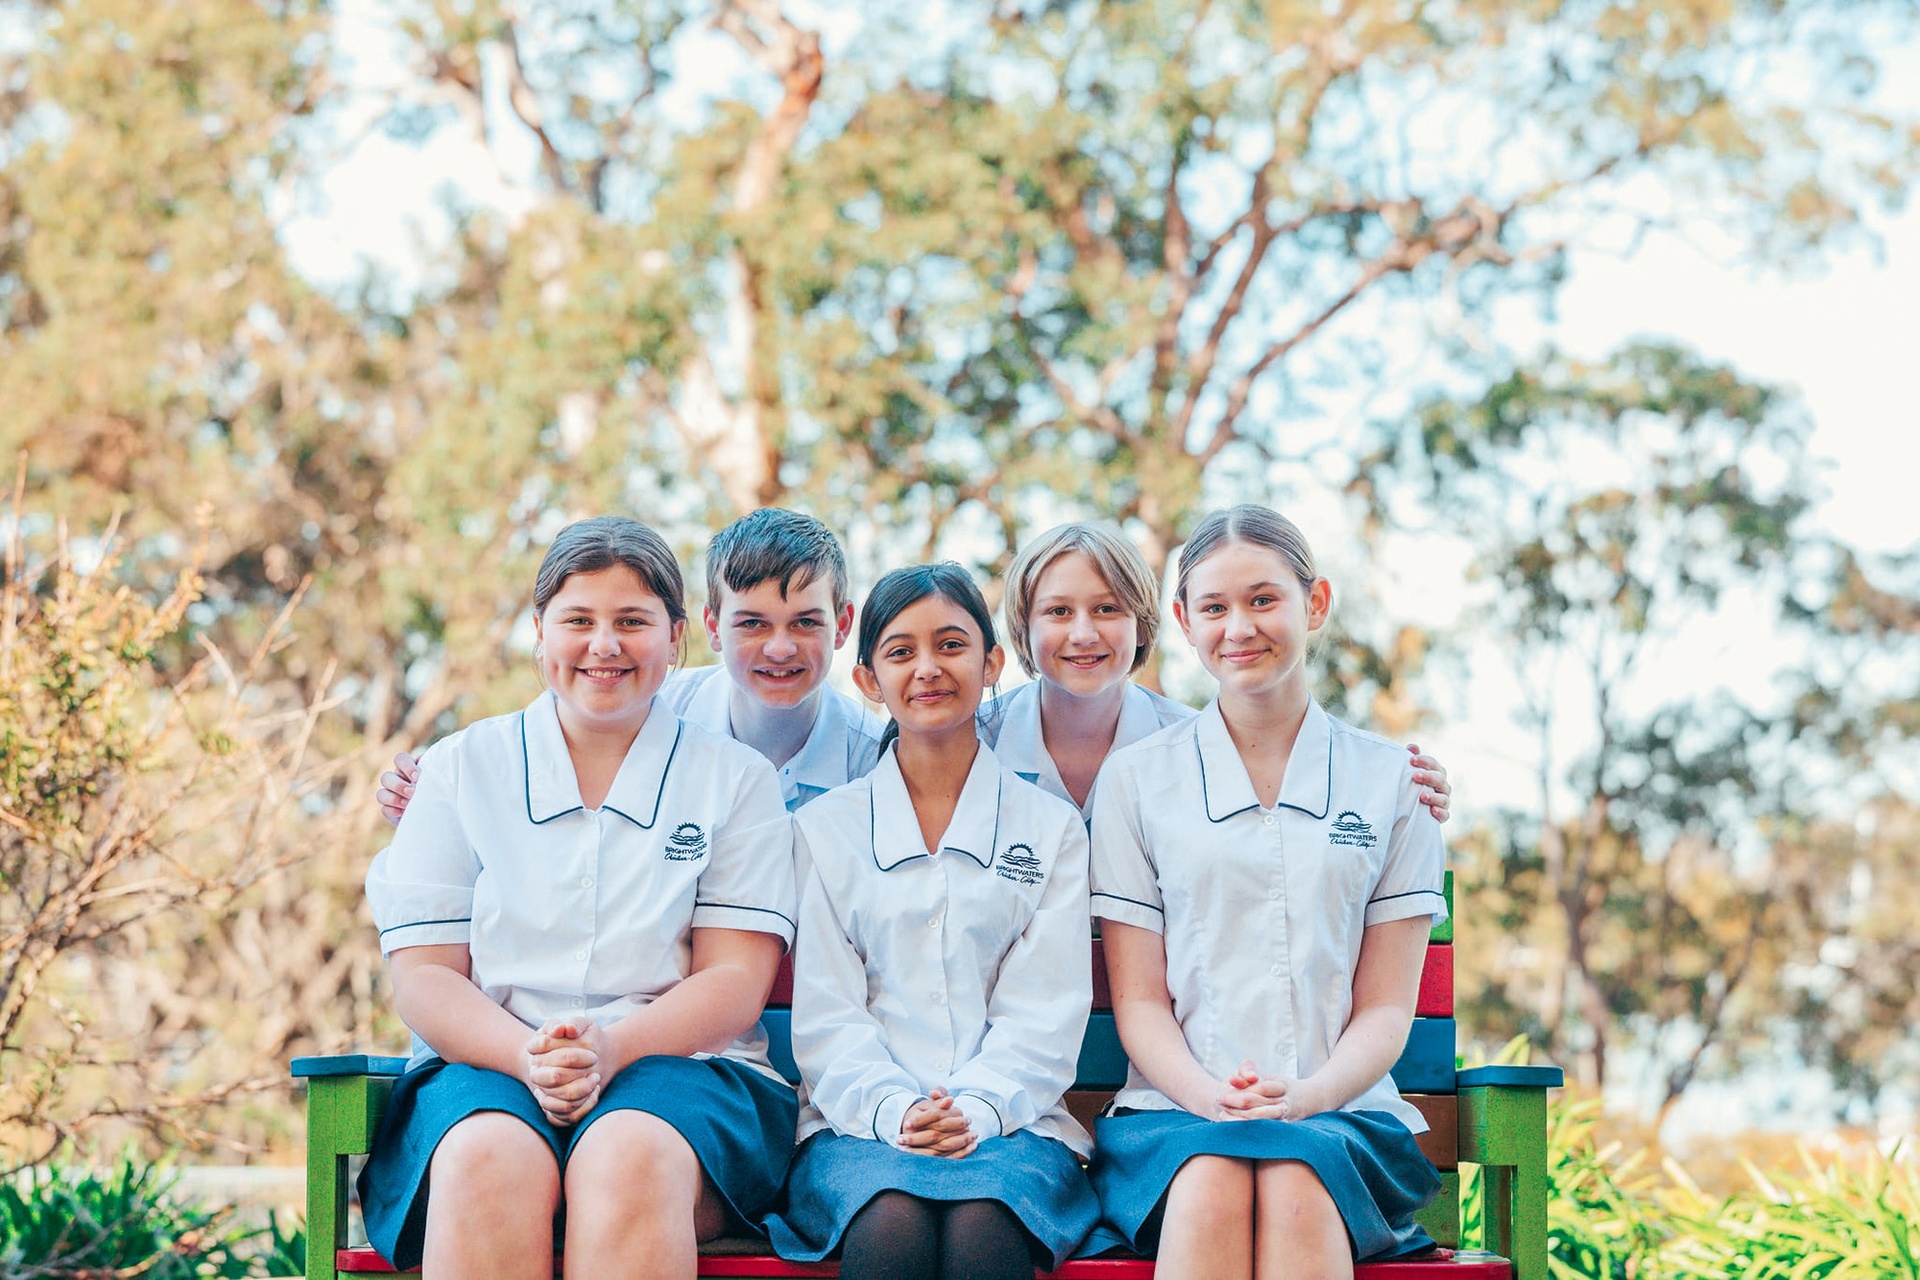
pixel 345 1095
pixel 1503 1129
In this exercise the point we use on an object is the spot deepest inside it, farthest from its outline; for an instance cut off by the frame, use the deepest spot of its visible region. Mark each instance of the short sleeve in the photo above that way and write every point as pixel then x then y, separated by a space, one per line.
pixel 1413 875
pixel 1124 884
pixel 748 882
pixel 421 886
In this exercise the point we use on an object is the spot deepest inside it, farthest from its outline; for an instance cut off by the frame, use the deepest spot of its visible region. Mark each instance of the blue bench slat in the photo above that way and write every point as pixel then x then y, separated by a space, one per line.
pixel 348 1064
pixel 1526 1077
pixel 1425 1065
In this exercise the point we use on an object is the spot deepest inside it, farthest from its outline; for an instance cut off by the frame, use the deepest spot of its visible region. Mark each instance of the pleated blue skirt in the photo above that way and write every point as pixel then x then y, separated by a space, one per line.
pixel 1367 1161
pixel 739 1123
pixel 834 1176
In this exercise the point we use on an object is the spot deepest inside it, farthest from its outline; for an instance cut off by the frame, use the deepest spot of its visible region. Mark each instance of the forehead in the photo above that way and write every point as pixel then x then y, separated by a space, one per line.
pixel 1072 573
pixel 930 614
pixel 765 597
pixel 1236 565
pixel 616 587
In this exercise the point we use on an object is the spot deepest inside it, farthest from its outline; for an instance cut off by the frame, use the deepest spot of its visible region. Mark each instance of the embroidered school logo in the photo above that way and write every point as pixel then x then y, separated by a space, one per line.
pixel 1019 865
pixel 1348 829
pixel 687 843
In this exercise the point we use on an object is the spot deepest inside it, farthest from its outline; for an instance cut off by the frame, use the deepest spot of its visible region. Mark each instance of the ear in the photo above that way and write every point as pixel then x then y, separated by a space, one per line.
pixel 996 659
pixel 1180 616
pixel 1319 604
pixel 712 619
pixel 843 625
pixel 865 682
pixel 538 634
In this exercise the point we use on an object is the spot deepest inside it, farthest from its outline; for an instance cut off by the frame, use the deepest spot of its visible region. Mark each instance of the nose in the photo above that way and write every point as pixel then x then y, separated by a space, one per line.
pixel 1080 629
pixel 1239 623
pixel 926 667
pixel 605 641
pixel 780 646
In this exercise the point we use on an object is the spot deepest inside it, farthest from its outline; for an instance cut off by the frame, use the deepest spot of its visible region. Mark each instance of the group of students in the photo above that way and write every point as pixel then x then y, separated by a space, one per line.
pixel 587 901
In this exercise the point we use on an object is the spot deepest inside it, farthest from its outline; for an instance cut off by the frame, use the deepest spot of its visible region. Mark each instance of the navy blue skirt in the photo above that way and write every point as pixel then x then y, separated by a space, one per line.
pixel 834 1176
pixel 739 1123
pixel 1368 1162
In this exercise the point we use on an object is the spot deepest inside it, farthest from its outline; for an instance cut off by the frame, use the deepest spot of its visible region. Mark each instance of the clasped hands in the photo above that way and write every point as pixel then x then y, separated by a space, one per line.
pixel 935 1126
pixel 1249 1095
pixel 562 1067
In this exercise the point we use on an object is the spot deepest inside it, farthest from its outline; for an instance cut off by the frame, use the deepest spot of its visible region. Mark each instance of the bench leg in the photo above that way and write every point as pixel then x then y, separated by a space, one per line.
pixel 1503 1129
pixel 343 1114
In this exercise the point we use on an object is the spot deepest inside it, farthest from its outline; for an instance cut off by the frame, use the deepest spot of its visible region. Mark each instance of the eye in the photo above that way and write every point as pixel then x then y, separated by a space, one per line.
pixel 1263 599
pixel 1108 609
pixel 633 622
pixel 897 652
pixel 748 624
pixel 1058 611
pixel 1216 607
pixel 808 624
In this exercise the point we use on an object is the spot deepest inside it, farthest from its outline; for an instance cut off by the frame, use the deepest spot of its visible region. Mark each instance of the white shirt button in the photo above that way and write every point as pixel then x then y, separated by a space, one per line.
pixel 579 955
pixel 1267 821
pixel 934 923
pixel 939 997
pixel 586 882
pixel 578 1003
pixel 1274 894
pixel 1274 970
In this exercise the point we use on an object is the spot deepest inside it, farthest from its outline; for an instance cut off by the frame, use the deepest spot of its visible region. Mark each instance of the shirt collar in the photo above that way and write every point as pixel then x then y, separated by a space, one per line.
pixel 974 830
pixel 1307 785
pixel 553 790
pixel 708 706
pixel 1139 717
pixel 824 761
pixel 1017 741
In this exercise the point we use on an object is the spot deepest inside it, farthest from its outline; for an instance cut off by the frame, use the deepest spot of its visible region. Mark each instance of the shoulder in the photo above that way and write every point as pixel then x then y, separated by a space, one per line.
pixel 489 741
pixel 833 814
pixel 1169 741
pixel 1034 804
pixel 1370 748
pixel 1168 711
pixel 682 685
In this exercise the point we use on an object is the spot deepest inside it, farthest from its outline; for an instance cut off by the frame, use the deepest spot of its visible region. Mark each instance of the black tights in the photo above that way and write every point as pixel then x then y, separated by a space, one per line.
pixel 902 1237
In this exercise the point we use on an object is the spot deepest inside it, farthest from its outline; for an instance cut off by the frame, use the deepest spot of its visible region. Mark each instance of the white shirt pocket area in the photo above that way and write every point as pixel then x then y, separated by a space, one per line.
pixel 967 968
pixel 565 909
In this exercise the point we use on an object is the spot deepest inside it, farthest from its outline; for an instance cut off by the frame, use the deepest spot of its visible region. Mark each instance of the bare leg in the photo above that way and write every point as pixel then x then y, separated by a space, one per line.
pixel 637 1201
pixel 1298 1233
pixel 495 1185
pixel 1207 1230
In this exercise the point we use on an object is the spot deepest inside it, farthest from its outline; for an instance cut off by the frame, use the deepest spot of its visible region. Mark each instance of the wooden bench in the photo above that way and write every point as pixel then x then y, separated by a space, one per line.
pixel 1493 1117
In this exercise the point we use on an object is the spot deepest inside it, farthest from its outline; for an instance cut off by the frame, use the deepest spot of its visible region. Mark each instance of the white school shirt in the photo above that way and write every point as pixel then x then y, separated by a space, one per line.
pixel 968 968
pixel 843 745
pixel 566 909
pixel 1262 909
pixel 1011 726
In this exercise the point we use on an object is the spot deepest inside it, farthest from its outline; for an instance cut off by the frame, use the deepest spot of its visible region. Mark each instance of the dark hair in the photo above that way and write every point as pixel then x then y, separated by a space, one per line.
pixel 775 545
pixel 1251 524
pixel 588 546
pixel 901 589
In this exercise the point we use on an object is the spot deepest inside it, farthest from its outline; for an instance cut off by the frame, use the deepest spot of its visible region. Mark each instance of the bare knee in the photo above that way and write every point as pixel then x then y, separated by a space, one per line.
pixel 1216 1189
pixel 493 1156
pixel 632 1148
pixel 1290 1194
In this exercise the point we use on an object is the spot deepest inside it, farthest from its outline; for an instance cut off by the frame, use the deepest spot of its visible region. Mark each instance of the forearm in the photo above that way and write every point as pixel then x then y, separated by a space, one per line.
pixel 1156 1045
pixel 460 1022
pixel 1366 1050
pixel 704 1013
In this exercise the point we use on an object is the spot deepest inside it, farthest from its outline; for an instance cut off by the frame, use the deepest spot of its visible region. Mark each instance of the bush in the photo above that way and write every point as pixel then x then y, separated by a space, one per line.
pixel 57 1223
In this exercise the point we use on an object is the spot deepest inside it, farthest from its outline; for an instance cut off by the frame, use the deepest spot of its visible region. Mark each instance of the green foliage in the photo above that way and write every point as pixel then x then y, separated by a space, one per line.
pixel 72 1223
pixel 1611 1216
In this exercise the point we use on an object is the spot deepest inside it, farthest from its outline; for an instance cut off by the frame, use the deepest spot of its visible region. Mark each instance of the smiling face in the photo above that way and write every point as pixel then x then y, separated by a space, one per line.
pixel 1249 618
pixel 606 643
pixel 930 667
pixel 1079 632
pixel 778 649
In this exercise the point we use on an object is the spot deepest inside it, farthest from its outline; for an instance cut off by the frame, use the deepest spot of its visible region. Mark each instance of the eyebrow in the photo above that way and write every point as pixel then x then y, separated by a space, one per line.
pixel 950 629
pixel 1255 586
pixel 762 614
pixel 623 609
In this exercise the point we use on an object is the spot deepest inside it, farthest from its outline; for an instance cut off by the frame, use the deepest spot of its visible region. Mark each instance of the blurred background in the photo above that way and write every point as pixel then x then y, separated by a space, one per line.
pixel 1579 337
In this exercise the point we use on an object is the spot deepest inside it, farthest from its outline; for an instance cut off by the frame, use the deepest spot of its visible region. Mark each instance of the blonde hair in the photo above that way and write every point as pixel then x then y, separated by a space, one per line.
pixel 1114 558
pixel 1255 526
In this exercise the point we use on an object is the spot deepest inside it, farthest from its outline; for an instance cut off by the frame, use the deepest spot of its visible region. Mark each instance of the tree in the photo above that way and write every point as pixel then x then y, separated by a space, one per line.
pixel 1660 887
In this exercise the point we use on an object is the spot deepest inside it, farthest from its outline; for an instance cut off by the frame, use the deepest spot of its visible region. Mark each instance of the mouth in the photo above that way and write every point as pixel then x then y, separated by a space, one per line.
pixel 1085 661
pixel 604 675
pixel 779 675
pixel 1243 657
pixel 931 696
